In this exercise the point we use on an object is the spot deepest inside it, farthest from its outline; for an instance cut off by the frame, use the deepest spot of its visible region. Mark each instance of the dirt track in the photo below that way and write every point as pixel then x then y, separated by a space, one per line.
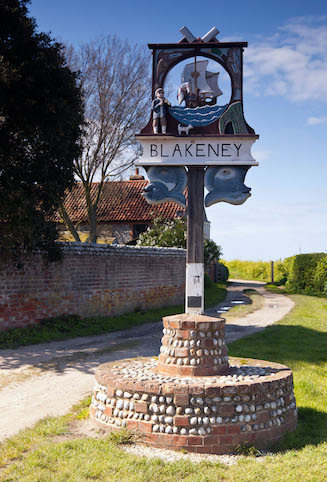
pixel 47 379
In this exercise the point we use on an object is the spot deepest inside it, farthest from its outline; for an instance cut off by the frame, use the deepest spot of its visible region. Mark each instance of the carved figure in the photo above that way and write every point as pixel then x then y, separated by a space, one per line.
pixel 184 89
pixel 226 183
pixel 166 184
pixel 159 106
pixel 185 129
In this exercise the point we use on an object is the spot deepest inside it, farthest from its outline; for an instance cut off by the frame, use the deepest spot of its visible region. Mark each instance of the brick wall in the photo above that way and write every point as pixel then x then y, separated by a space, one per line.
pixel 91 280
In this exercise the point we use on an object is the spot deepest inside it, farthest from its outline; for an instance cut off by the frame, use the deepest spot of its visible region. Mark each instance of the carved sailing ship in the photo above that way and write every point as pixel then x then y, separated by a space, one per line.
pixel 199 85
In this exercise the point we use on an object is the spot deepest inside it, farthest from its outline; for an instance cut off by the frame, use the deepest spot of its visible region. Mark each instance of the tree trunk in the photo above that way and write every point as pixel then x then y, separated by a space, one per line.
pixel 68 223
pixel 92 223
pixel 92 210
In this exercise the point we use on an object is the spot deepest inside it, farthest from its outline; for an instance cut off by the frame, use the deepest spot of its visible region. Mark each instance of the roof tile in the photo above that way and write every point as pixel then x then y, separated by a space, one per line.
pixel 120 201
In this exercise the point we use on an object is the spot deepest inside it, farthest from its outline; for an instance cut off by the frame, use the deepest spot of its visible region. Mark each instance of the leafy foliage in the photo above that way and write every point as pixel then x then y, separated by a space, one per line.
pixel 247 449
pixel 121 437
pixel 256 270
pixel 301 271
pixel 320 276
pixel 166 233
pixel 223 272
pixel 212 252
pixel 40 125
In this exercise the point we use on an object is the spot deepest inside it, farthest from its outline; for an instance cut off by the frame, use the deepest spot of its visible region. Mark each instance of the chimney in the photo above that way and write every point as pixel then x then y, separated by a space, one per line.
pixel 136 176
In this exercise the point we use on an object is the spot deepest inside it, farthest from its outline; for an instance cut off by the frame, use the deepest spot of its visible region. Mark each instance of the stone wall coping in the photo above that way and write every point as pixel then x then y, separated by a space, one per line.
pixel 109 249
pixel 104 375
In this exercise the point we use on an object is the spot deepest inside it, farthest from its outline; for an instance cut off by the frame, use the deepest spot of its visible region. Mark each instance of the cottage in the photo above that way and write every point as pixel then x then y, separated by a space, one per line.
pixel 123 214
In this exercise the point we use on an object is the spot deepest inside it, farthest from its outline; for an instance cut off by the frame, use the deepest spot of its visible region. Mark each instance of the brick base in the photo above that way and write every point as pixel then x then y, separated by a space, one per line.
pixel 193 345
pixel 209 414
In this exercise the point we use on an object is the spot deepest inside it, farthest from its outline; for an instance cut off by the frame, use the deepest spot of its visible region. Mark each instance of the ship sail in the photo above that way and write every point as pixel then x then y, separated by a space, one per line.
pixel 212 79
pixel 206 82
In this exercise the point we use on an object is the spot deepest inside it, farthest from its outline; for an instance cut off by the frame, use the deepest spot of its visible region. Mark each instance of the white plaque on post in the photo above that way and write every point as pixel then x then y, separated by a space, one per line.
pixel 194 299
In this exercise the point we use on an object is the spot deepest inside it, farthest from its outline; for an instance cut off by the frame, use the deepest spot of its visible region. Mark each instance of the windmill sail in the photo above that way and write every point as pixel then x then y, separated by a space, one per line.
pixel 206 82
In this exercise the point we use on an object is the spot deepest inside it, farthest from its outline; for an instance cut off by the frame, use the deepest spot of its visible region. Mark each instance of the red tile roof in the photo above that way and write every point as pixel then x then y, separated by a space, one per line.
pixel 121 201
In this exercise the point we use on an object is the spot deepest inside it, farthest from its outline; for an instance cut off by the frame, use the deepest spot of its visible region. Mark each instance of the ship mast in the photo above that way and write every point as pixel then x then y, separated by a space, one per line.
pixel 195 76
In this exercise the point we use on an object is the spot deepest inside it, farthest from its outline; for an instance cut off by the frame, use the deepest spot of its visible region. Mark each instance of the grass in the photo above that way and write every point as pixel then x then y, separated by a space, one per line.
pixel 18 377
pixel 247 449
pixel 121 437
pixel 65 327
pixel 256 302
pixel 300 342
pixel 276 289
pixel 49 452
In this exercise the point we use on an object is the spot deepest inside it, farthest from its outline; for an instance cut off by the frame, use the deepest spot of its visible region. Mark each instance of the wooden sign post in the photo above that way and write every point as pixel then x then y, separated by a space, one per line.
pixel 194 291
pixel 197 144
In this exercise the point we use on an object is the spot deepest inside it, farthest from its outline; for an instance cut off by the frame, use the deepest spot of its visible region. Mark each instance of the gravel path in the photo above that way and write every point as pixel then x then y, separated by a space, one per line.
pixel 47 379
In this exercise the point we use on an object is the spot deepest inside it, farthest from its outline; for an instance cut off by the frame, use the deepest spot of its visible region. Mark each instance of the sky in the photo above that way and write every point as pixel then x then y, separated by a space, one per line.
pixel 285 101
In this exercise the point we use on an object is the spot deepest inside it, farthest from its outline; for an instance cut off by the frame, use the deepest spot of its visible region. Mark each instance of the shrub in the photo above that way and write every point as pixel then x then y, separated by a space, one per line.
pixel 320 276
pixel 222 273
pixel 165 233
pixel 301 272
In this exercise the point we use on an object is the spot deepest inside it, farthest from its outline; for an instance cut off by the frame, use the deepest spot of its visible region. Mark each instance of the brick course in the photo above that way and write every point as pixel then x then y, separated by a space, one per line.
pixel 92 280
pixel 210 417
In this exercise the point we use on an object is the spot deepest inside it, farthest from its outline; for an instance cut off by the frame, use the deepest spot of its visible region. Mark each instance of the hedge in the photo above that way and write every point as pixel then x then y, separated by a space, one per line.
pixel 302 273
pixel 305 273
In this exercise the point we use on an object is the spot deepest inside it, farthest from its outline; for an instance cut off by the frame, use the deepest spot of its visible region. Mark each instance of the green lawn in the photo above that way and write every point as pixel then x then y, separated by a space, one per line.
pixel 49 452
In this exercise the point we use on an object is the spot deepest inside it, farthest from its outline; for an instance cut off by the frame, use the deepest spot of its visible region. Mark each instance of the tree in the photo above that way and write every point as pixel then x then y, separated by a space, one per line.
pixel 116 85
pixel 212 252
pixel 40 126
pixel 165 233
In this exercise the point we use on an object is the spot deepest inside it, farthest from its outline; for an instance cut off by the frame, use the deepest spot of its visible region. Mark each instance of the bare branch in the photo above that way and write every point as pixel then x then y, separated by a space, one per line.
pixel 115 79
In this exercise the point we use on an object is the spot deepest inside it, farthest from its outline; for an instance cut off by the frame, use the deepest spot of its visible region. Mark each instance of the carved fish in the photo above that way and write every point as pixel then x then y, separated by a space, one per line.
pixel 167 183
pixel 226 184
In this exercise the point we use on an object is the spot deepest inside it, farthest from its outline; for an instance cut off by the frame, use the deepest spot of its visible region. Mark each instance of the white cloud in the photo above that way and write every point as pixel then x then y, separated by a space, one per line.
pixel 313 121
pixel 292 63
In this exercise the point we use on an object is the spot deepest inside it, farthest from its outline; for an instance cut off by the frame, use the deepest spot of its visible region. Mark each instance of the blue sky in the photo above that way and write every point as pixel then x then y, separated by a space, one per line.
pixel 285 101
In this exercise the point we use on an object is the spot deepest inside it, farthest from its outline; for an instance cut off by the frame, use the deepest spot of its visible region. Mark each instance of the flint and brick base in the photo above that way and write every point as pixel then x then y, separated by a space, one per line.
pixel 193 345
pixel 200 414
